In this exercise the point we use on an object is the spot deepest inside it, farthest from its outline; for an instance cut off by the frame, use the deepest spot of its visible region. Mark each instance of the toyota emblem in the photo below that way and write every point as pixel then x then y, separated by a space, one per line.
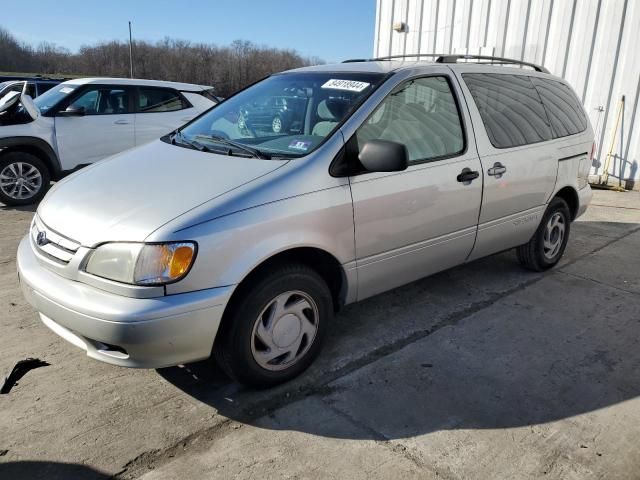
pixel 42 239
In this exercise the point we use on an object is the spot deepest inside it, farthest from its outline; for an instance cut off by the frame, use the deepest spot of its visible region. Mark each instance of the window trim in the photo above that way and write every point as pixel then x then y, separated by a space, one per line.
pixel 136 99
pixel 463 126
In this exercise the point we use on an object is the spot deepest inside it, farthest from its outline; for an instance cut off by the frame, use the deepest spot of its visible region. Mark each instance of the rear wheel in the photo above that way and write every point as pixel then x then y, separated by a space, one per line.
pixel 276 329
pixel 547 245
pixel 24 179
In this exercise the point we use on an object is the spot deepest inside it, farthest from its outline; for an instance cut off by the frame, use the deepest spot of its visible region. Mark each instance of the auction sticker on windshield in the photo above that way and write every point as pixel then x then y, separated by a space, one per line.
pixel 300 145
pixel 349 85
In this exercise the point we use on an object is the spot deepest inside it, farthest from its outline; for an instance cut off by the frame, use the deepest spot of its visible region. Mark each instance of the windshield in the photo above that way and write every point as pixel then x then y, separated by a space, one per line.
pixel 53 96
pixel 286 115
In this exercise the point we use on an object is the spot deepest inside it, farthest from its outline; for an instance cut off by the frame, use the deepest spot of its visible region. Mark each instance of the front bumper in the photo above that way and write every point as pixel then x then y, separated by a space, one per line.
pixel 130 332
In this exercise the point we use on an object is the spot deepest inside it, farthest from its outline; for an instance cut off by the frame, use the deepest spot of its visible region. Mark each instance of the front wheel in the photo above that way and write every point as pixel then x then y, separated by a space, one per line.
pixel 276 329
pixel 24 179
pixel 547 245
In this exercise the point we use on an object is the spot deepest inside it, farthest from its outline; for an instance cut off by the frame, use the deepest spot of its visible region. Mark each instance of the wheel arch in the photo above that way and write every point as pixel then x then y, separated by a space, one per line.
pixel 35 146
pixel 323 262
pixel 570 195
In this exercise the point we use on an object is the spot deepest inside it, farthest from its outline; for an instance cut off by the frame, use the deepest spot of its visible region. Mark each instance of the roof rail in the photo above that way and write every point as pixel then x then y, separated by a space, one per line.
pixel 393 57
pixel 453 58
pixel 491 60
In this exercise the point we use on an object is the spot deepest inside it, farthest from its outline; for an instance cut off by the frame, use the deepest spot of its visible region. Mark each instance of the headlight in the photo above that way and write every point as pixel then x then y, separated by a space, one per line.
pixel 142 263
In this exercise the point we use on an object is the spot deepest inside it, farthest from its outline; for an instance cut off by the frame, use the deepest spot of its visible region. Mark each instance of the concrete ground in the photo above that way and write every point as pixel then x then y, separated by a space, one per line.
pixel 483 371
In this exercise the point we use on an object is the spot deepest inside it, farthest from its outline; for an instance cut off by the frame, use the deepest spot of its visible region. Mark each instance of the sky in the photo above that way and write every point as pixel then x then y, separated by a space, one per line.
pixel 333 30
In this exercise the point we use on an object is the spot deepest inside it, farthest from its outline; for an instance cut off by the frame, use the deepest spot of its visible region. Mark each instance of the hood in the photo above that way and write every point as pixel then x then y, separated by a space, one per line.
pixel 128 196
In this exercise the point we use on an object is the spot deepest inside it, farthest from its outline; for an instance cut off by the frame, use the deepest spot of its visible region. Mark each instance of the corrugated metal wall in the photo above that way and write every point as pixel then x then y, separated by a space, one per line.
pixel 594 44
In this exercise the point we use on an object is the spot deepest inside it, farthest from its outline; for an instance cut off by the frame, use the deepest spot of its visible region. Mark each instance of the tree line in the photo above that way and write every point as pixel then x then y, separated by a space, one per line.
pixel 227 68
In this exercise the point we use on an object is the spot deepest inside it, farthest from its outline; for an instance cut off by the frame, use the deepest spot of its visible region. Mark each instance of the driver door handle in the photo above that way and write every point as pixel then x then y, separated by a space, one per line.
pixel 122 121
pixel 497 170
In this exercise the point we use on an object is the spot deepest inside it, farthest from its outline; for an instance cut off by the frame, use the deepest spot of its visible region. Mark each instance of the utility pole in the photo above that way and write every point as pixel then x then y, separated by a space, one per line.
pixel 130 53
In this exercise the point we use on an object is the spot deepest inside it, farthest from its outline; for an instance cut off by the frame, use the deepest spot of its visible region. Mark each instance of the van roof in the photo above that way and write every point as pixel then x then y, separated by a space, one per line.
pixel 400 62
pixel 184 87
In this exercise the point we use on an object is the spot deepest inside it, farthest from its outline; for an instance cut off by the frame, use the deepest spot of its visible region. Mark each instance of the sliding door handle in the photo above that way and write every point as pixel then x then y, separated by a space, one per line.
pixel 497 170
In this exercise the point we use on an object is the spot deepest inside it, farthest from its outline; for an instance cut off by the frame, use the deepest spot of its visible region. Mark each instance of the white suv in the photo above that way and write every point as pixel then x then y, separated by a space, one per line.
pixel 85 120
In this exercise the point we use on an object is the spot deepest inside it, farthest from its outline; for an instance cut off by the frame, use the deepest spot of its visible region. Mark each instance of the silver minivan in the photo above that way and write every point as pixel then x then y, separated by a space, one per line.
pixel 230 238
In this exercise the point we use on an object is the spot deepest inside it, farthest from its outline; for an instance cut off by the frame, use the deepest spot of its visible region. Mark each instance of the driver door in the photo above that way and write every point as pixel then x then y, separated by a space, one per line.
pixel 413 223
pixel 105 127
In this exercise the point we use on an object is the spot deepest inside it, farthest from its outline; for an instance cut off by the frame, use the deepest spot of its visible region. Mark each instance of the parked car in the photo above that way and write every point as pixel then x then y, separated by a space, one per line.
pixel 275 114
pixel 85 120
pixel 36 86
pixel 246 244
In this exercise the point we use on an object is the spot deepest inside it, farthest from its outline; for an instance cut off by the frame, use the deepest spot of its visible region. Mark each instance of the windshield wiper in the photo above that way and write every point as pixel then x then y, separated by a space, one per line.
pixel 253 151
pixel 177 137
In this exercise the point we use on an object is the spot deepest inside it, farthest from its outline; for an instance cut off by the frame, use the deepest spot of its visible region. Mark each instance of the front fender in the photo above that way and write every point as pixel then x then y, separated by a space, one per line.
pixel 230 247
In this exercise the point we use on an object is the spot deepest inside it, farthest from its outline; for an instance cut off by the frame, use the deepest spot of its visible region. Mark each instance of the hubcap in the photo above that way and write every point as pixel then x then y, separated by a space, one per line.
pixel 284 331
pixel 276 125
pixel 553 235
pixel 20 180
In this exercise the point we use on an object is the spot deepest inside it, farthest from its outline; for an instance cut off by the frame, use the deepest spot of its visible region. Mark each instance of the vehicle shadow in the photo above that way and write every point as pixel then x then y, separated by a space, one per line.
pixel 563 347
pixel 33 470
pixel 25 208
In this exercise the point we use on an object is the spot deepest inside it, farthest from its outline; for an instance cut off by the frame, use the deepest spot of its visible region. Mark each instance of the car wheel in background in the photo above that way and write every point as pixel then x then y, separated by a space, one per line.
pixel 547 245
pixel 276 124
pixel 276 328
pixel 24 179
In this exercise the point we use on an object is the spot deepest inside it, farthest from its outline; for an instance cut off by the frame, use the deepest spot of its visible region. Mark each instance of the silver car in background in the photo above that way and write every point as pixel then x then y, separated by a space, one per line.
pixel 226 238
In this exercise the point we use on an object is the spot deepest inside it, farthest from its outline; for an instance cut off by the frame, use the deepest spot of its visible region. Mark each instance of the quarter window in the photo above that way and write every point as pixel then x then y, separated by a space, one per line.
pixel 423 115
pixel 160 100
pixel 563 107
pixel 103 101
pixel 510 107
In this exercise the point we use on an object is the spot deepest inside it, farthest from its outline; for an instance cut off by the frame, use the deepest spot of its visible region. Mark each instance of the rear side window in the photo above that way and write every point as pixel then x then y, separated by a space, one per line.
pixel 152 100
pixel 423 115
pixel 510 107
pixel 563 107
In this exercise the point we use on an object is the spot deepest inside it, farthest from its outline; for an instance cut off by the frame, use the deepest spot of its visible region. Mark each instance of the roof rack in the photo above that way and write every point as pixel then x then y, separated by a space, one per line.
pixel 452 58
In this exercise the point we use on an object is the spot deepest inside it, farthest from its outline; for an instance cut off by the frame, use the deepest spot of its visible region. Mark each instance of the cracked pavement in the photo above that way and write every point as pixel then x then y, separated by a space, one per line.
pixel 482 371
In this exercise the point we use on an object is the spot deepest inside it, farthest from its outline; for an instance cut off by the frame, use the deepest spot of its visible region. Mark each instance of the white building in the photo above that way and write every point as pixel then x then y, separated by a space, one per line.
pixel 594 44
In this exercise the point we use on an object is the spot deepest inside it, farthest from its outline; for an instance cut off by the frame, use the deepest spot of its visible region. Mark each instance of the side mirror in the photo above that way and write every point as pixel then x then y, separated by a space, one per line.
pixel 73 112
pixel 384 156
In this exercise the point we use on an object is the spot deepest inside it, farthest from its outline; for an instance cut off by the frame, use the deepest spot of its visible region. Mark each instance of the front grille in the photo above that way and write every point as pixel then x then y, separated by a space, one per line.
pixel 51 244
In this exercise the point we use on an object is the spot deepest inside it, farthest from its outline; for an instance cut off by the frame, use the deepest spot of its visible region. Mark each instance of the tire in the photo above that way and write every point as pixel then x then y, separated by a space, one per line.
pixel 546 247
pixel 33 172
pixel 277 124
pixel 239 348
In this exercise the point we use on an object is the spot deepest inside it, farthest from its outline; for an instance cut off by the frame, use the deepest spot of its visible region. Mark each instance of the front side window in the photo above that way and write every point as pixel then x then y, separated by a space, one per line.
pixel 423 115
pixel 151 100
pixel 510 107
pixel 288 114
pixel 103 101
pixel 565 113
